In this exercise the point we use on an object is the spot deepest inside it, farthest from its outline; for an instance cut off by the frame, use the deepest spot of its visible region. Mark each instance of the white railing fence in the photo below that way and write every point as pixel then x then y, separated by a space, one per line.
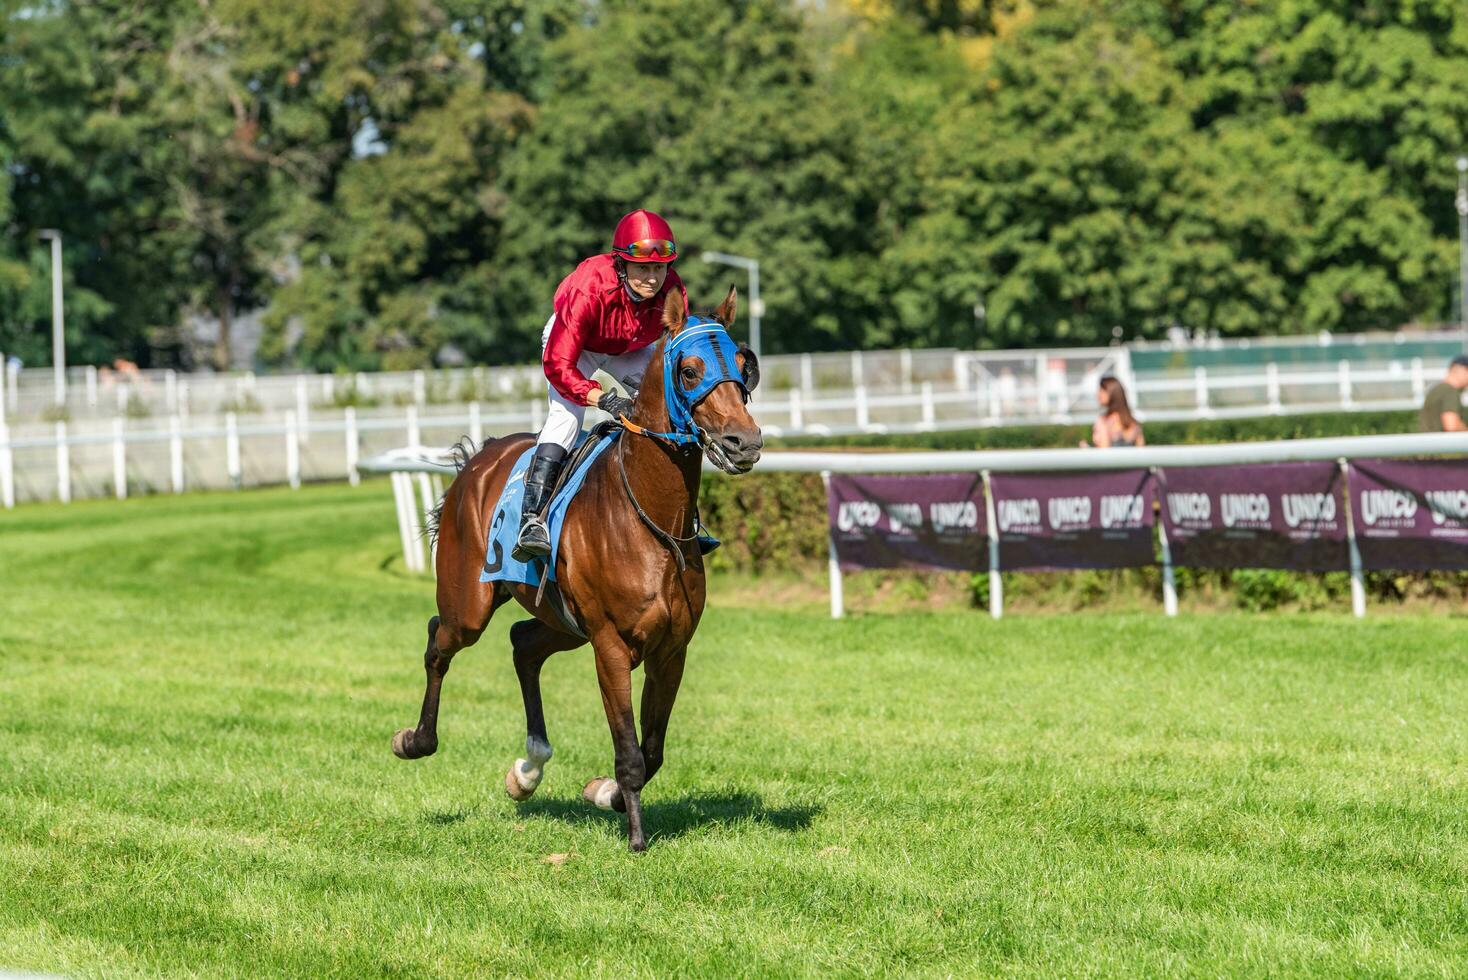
pixel 1025 385
pixel 416 479
pixel 116 456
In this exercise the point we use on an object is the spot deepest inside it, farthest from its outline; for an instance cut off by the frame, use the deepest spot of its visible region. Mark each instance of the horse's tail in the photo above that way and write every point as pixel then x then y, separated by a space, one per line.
pixel 460 454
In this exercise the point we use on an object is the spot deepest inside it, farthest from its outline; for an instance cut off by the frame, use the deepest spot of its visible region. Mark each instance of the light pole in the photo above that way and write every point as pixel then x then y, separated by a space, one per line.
pixel 756 308
pixel 58 323
pixel 1461 201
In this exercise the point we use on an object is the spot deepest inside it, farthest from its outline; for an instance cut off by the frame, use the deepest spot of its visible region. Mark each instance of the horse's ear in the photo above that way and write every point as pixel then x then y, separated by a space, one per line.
pixel 727 309
pixel 675 310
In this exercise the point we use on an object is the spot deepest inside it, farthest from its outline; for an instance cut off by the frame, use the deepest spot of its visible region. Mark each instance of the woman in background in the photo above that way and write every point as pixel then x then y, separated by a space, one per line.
pixel 1116 425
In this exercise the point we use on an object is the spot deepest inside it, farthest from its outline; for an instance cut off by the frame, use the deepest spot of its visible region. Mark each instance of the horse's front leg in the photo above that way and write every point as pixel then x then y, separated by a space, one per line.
pixel 659 691
pixel 614 674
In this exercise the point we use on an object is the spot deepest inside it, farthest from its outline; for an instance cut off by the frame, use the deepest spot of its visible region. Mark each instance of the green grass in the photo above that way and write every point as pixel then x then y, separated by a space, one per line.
pixel 198 695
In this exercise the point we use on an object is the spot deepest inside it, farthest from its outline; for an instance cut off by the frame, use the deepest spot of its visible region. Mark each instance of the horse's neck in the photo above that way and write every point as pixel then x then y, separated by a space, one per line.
pixel 665 478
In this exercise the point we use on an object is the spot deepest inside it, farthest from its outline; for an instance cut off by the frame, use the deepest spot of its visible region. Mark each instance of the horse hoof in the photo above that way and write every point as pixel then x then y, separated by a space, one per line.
pixel 405 747
pixel 637 846
pixel 602 792
pixel 517 792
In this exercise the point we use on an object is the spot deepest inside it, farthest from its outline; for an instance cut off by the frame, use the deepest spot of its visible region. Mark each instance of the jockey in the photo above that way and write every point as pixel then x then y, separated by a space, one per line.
pixel 608 313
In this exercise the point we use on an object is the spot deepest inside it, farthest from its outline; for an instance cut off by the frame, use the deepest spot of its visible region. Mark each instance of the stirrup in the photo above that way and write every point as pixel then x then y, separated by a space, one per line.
pixel 533 542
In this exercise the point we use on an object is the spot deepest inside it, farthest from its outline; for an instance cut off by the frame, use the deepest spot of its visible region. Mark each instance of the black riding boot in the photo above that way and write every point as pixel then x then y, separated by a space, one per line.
pixel 540 478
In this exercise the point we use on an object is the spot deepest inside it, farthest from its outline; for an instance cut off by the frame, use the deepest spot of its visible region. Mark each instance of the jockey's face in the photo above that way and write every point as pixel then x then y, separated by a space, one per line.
pixel 646 278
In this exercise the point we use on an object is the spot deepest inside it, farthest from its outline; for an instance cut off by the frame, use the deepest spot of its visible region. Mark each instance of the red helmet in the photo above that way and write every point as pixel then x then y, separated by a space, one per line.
pixel 643 236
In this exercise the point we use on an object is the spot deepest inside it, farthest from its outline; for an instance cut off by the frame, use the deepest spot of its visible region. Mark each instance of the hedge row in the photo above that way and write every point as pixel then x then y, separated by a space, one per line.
pixel 776 522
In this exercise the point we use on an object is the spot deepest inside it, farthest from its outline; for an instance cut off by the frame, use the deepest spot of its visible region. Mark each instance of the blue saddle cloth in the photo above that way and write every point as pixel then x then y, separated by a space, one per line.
pixel 499 564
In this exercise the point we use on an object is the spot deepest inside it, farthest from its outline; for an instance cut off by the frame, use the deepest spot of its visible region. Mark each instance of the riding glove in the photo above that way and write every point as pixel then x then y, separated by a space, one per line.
pixel 615 405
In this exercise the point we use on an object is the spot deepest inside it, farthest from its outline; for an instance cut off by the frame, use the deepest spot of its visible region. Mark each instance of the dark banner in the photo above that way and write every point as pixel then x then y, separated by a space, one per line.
pixel 1270 515
pixel 934 522
pixel 1073 520
pixel 1411 516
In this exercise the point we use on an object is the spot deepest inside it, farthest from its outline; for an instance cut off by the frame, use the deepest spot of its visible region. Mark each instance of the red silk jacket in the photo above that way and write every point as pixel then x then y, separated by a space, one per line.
pixel 594 312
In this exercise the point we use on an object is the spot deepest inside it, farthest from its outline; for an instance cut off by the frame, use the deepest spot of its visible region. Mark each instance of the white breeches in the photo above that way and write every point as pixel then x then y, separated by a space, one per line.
pixel 564 418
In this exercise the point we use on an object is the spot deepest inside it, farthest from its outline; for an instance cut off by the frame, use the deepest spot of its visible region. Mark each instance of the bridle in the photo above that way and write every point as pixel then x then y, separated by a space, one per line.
pixel 706 338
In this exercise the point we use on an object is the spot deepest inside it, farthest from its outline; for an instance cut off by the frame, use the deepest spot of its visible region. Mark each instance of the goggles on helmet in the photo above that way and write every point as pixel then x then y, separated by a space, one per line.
pixel 648 248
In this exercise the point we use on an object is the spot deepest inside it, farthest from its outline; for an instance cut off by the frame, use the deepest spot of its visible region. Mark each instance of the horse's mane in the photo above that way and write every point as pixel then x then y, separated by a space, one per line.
pixel 459 454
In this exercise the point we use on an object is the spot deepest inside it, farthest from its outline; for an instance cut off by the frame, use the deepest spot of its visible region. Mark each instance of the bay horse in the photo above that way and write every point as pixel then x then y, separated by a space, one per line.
pixel 625 566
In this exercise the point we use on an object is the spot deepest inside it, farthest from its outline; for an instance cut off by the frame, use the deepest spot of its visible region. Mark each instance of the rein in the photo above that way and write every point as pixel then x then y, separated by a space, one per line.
pixel 712 343
pixel 673 541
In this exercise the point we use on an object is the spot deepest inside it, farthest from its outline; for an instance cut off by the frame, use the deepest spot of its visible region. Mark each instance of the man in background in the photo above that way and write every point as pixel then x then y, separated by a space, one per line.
pixel 1442 409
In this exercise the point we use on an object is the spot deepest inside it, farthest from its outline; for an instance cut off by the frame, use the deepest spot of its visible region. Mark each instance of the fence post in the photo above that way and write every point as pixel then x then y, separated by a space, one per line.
pixel 858 369
pixel 292 452
pixel 302 408
pixel 1271 377
pixel 232 450
pixel 119 459
pixel 402 496
pixel 415 436
pixel 415 528
pixel 1169 580
pixel 833 566
pixel 904 362
pixel 170 391
pixel 1345 383
pixel 863 412
pixel 797 410
pixel 1200 387
pixel 175 455
pixel 425 491
pixel 930 417
pixel 7 464
pixel 353 446
pixel 996 582
pixel 476 425
pixel 1358 575
pixel 4 387
pixel 183 399
pixel 91 386
pixel 1419 382
pixel 807 375
pixel 960 371
pixel 13 391
pixel 1041 402
pixel 63 464
pixel 420 387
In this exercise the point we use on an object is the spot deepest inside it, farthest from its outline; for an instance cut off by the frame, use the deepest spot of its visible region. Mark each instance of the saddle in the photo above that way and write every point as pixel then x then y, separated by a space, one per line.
pixel 540 573
pixel 499 562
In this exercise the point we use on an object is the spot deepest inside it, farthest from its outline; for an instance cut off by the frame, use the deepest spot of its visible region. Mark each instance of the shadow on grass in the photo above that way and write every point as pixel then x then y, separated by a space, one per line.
pixel 445 818
pixel 674 818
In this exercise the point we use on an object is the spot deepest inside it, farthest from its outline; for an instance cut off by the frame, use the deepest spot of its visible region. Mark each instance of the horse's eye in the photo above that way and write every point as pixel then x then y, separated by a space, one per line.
pixel 689 374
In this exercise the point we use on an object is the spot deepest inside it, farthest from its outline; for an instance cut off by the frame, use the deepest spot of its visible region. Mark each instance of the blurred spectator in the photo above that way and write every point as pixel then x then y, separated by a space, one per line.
pixel 1116 425
pixel 1442 409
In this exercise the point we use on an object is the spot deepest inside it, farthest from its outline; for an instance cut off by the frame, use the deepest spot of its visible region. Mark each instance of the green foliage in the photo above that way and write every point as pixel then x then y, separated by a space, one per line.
pixel 395 180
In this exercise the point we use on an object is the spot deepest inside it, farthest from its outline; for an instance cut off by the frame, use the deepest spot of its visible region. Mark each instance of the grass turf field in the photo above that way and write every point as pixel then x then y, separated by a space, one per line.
pixel 198 695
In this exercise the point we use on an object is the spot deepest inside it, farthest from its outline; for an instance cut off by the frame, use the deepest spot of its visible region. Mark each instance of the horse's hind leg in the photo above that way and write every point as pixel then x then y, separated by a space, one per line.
pixel 444 640
pixel 533 643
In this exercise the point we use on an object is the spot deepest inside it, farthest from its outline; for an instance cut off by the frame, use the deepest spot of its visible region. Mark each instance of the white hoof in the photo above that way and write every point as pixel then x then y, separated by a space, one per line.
pixel 525 775
pixel 600 792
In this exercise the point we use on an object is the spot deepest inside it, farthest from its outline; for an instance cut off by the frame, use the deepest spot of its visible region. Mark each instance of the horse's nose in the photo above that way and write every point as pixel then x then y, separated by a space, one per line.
pixel 742 445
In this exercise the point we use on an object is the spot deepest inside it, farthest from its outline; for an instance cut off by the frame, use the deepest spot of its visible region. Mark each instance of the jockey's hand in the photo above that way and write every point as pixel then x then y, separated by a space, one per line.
pixel 615 405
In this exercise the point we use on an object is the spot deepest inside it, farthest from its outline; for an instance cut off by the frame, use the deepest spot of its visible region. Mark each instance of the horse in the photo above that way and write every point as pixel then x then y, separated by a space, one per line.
pixel 628 566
